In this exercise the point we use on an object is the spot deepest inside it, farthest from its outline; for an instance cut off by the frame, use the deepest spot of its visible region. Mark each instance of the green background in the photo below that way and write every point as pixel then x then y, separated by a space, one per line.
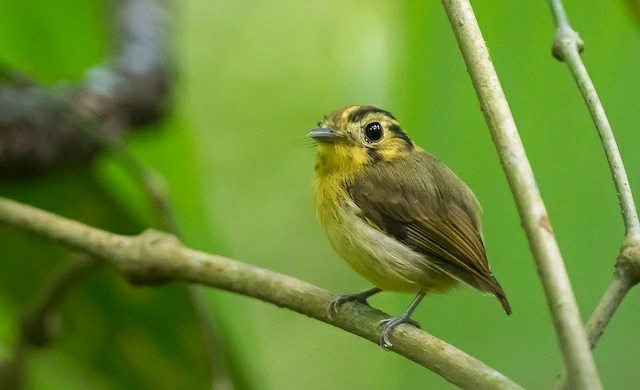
pixel 254 76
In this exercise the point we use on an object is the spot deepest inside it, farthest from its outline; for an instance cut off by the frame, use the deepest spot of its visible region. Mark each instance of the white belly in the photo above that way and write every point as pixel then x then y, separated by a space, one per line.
pixel 381 259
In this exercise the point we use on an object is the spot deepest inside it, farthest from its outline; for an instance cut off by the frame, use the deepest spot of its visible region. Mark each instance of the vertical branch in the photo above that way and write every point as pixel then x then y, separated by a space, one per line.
pixel 567 47
pixel 560 299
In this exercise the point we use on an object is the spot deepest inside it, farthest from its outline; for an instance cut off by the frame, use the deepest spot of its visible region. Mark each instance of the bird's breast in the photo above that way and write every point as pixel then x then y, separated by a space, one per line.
pixel 378 257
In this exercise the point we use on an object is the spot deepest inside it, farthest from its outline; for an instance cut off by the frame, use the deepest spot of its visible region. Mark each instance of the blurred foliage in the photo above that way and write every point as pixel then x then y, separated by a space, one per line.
pixel 254 76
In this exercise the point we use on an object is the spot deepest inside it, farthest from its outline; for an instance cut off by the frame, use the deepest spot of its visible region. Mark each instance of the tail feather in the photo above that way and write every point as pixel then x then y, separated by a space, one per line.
pixel 489 284
pixel 502 297
pixel 504 302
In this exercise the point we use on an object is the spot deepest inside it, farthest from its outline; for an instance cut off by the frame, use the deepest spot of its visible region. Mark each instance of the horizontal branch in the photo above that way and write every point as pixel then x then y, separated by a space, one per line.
pixel 153 257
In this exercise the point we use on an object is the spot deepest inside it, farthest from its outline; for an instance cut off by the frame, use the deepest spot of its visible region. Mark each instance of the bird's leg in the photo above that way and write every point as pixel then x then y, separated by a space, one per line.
pixel 359 297
pixel 405 318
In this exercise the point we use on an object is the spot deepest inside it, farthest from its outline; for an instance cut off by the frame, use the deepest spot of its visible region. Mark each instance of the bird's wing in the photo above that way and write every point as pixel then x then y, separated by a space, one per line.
pixel 442 225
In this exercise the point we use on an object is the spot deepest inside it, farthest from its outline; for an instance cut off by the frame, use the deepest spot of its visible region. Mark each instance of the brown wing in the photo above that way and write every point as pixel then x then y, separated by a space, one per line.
pixel 444 225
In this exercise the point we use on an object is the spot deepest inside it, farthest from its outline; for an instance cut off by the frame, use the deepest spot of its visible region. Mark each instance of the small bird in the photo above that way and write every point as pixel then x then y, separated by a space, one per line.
pixel 395 213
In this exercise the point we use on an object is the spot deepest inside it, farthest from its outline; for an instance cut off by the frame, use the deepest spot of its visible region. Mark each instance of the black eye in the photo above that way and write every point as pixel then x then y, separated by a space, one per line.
pixel 373 131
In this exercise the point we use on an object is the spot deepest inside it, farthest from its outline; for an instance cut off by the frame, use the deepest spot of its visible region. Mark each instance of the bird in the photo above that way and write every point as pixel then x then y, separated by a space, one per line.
pixel 395 213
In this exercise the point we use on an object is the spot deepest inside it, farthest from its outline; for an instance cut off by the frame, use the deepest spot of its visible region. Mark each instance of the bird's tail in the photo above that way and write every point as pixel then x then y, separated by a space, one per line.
pixel 489 284
pixel 499 293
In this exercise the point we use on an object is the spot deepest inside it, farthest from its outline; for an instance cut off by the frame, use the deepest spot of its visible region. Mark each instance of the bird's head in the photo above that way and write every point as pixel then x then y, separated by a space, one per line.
pixel 353 137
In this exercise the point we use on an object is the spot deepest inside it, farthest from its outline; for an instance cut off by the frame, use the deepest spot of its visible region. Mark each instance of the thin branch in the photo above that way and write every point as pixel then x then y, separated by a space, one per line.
pixel 154 186
pixel 37 125
pixel 153 255
pixel 560 299
pixel 626 276
pixel 36 320
pixel 39 324
pixel 567 47
pixel 607 307
pixel 152 183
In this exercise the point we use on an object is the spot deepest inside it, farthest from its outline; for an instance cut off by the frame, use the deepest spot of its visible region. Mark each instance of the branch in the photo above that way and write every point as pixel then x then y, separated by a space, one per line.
pixel 155 189
pixel 131 89
pixel 38 324
pixel 151 182
pixel 16 78
pixel 153 256
pixel 567 47
pixel 560 299
pixel 36 320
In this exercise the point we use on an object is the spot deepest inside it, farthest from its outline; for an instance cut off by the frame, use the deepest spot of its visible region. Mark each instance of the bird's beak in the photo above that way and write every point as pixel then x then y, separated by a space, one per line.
pixel 324 135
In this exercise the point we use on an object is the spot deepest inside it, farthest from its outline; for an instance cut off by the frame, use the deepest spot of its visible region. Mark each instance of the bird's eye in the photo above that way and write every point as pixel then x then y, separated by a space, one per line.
pixel 373 131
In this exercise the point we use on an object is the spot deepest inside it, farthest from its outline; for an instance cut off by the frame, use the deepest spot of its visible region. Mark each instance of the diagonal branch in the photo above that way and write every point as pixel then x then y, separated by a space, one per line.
pixel 154 186
pixel 560 299
pixel 567 47
pixel 38 324
pixel 156 256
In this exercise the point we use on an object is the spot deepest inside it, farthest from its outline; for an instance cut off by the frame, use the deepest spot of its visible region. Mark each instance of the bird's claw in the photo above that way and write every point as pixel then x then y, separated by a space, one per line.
pixel 389 325
pixel 342 299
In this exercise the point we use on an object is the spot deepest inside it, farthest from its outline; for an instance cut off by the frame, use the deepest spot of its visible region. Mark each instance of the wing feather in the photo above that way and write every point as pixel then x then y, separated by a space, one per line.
pixel 435 214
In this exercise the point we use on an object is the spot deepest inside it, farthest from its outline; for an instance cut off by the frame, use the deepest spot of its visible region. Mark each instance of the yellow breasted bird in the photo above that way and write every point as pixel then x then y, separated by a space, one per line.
pixel 395 213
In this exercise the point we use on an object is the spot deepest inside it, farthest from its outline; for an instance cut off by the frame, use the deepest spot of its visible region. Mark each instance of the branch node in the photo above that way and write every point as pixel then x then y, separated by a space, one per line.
pixel 566 40
pixel 149 244
pixel 628 264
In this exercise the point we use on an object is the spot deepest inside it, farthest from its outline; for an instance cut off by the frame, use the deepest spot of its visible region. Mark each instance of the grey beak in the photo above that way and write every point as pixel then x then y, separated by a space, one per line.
pixel 324 135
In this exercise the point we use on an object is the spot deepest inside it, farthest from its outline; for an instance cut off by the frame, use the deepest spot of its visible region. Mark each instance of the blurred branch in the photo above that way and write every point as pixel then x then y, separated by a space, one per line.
pixel 153 256
pixel 567 47
pixel 39 125
pixel 16 78
pixel 39 323
pixel 535 220
pixel 155 188
pixel 131 89
pixel 152 183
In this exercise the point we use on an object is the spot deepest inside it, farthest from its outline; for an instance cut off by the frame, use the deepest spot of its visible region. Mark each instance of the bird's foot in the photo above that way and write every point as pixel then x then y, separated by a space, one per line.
pixel 360 297
pixel 390 324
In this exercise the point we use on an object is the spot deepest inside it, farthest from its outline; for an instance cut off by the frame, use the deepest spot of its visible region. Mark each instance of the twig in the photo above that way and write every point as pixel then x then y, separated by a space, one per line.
pixel 38 324
pixel 153 255
pixel 560 299
pixel 36 321
pixel 567 47
pixel 130 89
pixel 608 305
pixel 151 182
pixel 155 188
